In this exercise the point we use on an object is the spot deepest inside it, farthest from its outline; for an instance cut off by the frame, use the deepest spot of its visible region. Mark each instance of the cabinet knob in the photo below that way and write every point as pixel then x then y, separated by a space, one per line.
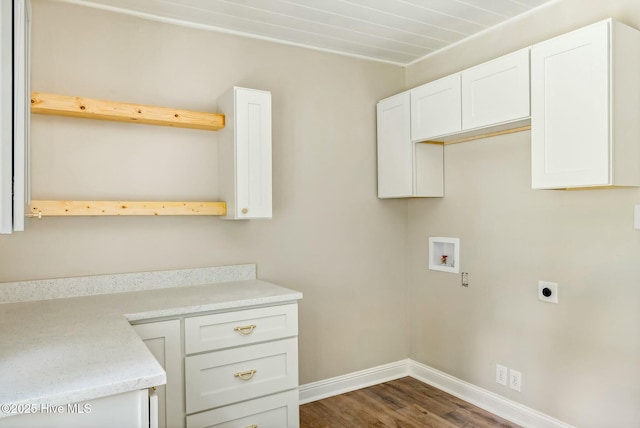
pixel 245 210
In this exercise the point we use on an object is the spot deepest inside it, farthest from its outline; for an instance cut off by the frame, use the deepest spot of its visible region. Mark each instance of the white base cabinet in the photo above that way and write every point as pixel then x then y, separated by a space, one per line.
pixel 163 340
pixel 585 94
pixel 244 154
pixel 250 355
pixel 240 368
pixel 126 410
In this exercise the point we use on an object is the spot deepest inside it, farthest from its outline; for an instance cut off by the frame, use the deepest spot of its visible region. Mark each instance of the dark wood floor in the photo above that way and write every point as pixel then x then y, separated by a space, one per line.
pixel 405 403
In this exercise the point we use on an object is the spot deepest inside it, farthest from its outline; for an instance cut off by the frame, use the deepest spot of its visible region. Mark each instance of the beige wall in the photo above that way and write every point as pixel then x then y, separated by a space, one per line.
pixel 330 237
pixel 579 359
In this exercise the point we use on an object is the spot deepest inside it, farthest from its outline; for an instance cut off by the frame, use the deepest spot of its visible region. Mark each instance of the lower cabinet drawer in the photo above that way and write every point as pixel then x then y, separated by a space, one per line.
pixel 239 328
pixel 219 378
pixel 274 411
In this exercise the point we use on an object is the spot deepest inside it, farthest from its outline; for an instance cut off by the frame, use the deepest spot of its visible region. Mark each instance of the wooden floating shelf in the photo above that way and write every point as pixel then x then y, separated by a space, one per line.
pixel 464 138
pixel 489 134
pixel 124 208
pixel 63 105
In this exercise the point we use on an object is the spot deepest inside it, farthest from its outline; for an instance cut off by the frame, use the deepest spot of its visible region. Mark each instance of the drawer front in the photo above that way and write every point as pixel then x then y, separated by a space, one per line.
pixel 219 378
pixel 274 411
pixel 226 330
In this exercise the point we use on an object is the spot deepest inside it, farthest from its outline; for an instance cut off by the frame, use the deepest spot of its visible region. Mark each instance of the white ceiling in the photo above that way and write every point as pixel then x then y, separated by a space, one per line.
pixel 395 31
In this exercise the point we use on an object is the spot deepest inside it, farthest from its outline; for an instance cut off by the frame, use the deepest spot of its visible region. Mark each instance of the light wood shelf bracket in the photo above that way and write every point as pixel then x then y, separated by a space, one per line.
pixel 41 209
pixel 64 105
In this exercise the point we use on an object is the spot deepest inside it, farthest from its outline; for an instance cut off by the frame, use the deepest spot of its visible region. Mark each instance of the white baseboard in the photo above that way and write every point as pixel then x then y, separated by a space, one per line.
pixel 352 381
pixel 487 400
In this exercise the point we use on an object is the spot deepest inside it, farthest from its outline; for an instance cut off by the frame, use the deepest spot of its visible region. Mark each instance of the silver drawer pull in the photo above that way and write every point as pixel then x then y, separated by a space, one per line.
pixel 246 329
pixel 245 375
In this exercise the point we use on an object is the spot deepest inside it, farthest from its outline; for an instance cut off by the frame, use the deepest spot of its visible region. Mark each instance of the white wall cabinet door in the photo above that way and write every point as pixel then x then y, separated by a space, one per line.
pixel 585 106
pixel 14 113
pixel 436 108
pixel 496 92
pixel 163 340
pixel 6 117
pixel 395 149
pixel 405 169
pixel 244 154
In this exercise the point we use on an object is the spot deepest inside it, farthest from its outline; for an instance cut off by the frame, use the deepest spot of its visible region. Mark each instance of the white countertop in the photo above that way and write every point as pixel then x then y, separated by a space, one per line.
pixel 67 350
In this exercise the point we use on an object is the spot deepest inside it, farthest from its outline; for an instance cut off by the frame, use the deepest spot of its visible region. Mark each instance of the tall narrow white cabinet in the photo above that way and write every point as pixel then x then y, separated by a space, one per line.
pixel 163 340
pixel 395 149
pixel 585 92
pixel 244 153
pixel 405 169
pixel 14 113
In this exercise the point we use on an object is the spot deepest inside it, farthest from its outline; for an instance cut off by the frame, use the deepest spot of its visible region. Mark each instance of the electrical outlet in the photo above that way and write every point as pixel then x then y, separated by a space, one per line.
pixel 548 291
pixel 501 374
pixel 515 380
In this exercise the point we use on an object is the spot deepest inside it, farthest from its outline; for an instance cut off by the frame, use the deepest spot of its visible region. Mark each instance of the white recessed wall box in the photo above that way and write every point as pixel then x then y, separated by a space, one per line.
pixel 444 254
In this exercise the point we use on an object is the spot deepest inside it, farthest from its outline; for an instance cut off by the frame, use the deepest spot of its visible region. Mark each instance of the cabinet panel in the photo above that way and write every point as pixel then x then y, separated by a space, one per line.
pixel 275 411
pixel 14 113
pixel 6 116
pixel 245 154
pixel 436 108
pixel 163 340
pixel 219 378
pixel 570 109
pixel 126 410
pixel 395 149
pixel 496 91
pixel 224 330
pixel 428 169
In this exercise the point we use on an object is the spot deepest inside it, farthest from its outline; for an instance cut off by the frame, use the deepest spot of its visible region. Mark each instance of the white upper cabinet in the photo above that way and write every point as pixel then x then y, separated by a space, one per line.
pixel 585 91
pixel 14 113
pixel 496 92
pixel 405 169
pixel 489 94
pixel 244 153
pixel 436 109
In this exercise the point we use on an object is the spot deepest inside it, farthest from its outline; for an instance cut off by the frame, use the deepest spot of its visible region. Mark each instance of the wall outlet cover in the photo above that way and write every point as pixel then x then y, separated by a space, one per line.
pixel 636 217
pixel 501 374
pixel 548 291
pixel 515 380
